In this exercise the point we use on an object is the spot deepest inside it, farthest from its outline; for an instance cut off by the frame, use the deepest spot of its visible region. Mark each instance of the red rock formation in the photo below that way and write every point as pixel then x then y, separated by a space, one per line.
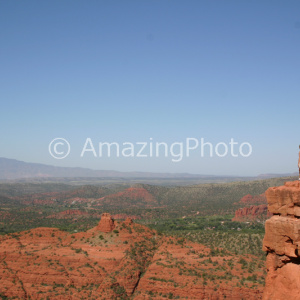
pixel 282 243
pixel 48 263
pixel 285 200
pixel 249 199
pixel 256 209
pixel 251 213
pixel 106 223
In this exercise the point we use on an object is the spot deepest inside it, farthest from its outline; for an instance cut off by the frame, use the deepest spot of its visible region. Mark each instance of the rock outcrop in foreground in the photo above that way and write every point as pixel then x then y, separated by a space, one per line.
pixel 118 260
pixel 282 242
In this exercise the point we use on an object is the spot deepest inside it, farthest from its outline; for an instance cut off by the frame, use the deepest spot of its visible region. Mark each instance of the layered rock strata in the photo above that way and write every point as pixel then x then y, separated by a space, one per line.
pixel 251 213
pixel 282 242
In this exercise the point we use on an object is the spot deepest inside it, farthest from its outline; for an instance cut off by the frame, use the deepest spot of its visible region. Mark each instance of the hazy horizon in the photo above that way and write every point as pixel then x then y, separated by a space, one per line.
pixel 151 174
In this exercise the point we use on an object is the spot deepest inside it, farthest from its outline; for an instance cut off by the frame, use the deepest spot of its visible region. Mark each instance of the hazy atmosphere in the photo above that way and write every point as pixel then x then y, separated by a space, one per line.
pixel 215 83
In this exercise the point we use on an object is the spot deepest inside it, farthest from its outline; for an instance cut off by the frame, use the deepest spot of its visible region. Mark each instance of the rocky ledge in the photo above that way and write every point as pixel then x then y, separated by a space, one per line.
pixel 282 242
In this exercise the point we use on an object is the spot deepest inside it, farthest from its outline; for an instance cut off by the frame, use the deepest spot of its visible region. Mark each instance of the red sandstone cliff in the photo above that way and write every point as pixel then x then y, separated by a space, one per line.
pixel 255 210
pixel 252 213
pixel 282 243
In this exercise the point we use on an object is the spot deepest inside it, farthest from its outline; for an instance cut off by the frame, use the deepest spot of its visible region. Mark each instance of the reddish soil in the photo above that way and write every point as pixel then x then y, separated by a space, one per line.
pixel 117 260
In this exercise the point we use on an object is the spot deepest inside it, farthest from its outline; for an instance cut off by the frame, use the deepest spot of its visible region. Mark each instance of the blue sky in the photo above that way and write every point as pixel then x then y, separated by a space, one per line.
pixel 128 71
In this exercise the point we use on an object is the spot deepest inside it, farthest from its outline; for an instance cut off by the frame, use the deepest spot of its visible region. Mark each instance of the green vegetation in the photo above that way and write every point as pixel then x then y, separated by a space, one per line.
pixel 29 205
pixel 216 232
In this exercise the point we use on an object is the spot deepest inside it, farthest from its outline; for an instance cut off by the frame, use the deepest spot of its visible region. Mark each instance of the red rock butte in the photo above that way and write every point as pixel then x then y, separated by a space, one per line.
pixel 106 224
pixel 282 242
pixel 133 262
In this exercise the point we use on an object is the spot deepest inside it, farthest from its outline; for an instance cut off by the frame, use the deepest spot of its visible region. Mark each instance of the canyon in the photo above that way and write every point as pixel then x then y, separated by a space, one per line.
pixel 118 260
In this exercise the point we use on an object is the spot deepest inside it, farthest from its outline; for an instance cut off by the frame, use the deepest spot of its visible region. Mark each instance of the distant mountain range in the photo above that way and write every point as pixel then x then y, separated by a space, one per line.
pixel 12 169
